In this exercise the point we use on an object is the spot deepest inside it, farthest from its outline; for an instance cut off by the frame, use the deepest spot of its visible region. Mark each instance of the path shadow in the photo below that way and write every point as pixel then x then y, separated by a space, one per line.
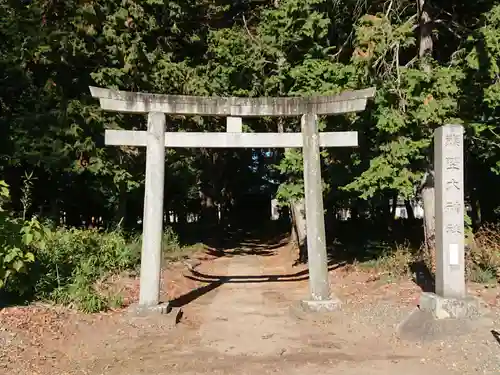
pixel 214 281
pixel 266 234
pixel 218 253
pixel 423 277
pixel 248 248
pixel 195 294
pixel 247 242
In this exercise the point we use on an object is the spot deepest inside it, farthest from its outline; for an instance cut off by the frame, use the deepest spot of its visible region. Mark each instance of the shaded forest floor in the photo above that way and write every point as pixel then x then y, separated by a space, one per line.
pixel 239 317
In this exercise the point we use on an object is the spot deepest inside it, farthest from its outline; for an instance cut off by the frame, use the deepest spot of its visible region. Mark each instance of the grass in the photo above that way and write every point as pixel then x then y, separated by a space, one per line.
pixel 73 266
pixel 172 250
pixel 482 258
pixel 394 263
pixel 482 276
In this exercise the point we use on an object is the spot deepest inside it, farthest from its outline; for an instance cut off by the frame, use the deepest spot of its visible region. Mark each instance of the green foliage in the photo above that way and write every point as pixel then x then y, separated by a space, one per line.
pixel 291 165
pixel 393 263
pixel 74 259
pixel 410 103
pixel 171 241
pixel 51 128
pixel 68 261
pixel 51 131
pixel 391 169
pixel 483 256
pixel 482 275
pixel 481 61
pixel 17 241
pixel 4 193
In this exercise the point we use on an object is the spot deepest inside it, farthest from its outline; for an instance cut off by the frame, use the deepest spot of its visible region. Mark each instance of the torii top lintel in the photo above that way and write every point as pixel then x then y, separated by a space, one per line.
pixel 136 102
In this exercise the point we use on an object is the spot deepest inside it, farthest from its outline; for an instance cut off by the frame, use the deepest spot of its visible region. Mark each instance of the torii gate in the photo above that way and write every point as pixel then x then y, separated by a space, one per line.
pixel 155 139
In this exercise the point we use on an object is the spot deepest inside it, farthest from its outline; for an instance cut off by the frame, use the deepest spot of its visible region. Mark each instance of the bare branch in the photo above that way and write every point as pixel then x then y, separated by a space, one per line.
pixel 487 141
pixel 388 9
pixel 336 54
pixel 246 27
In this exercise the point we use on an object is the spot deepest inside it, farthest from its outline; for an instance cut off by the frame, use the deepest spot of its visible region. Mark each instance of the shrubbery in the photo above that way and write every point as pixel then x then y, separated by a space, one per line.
pixel 63 264
pixel 39 261
pixel 16 241
pixel 394 262
pixel 482 258
pixel 72 260
pixel 483 255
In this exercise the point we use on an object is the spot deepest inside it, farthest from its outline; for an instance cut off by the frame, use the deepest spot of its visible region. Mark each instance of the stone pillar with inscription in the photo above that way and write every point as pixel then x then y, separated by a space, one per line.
pixel 450 298
pixel 449 179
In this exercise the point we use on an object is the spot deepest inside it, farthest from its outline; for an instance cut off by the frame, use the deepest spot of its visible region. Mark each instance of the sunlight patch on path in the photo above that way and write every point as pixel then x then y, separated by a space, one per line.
pixel 240 322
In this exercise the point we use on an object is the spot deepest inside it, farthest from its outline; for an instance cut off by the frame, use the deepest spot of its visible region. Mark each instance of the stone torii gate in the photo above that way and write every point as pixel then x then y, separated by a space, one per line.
pixel 155 139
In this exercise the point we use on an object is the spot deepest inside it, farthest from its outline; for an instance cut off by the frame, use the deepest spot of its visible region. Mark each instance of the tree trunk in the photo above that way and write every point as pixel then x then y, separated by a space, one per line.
pixel 121 210
pixel 472 176
pixel 425 22
pixel 476 209
pixel 208 212
pixel 394 206
pixel 54 212
pixel 409 210
pixel 428 199
pixel 428 194
pixel 299 229
pixel 182 219
pixel 297 208
pixel 354 211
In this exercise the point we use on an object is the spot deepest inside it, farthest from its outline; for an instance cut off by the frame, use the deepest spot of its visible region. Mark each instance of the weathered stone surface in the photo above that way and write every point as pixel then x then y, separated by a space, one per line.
pixel 449 180
pixel 123 101
pixel 172 315
pixel 444 308
pixel 438 318
pixel 422 325
pixel 332 304
pixel 315 228
pixel 230 139
pixel 153 211
pixel 234 125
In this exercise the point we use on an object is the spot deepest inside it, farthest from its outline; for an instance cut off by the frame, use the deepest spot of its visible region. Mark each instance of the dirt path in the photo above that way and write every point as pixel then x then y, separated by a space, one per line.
pixel 240 321
pixel 244 322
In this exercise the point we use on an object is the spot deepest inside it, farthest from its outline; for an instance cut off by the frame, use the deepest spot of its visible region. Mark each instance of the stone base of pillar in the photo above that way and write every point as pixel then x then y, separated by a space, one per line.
pixel 438 319
pixel 455 308
pixel 173 313
pixel 328 305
